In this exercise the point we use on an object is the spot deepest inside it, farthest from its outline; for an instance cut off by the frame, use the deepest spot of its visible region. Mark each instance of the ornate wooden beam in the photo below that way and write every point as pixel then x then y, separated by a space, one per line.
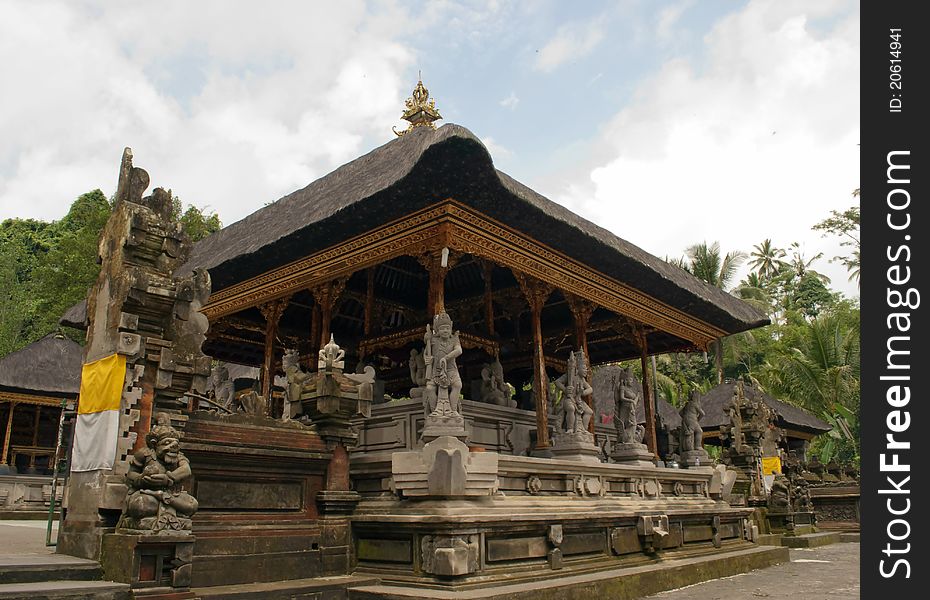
pixel 463 229
pixel 536 293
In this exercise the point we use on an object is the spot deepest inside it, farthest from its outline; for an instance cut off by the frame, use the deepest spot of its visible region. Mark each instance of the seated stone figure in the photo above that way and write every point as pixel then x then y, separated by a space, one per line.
pixel 155 502
pixel 494 390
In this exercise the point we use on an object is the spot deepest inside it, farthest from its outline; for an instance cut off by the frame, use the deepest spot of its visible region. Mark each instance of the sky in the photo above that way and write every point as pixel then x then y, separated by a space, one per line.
pixel 668 123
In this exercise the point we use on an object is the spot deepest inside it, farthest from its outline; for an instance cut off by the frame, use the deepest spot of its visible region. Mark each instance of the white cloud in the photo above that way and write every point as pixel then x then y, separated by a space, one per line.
pixel 668 19
pixel 761 142
pixel 571 42
pixel 510 101
pixel 496 150
pixel 258 108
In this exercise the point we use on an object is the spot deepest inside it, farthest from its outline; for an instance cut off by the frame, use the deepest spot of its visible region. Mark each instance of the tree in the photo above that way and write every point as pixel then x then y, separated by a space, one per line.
pixel 64 273
pixel 196 222
pixel 845 225
pixel 767 259
pixel 706 263
pixel 818 368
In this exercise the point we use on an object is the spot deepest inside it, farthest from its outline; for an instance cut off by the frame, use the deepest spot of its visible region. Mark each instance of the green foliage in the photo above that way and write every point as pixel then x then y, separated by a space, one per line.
pixel 49 267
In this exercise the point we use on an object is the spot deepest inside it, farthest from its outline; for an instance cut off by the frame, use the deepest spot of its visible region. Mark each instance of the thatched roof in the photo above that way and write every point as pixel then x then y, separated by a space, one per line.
pixel 76 316
pixel 715 401
pixel 51 365
pixel 422 168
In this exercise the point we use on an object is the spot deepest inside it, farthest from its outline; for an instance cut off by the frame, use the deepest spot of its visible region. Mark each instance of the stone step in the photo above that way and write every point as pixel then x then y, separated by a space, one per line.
pixel 36 568
pixel 61 590
pixel 811 540
pixel 324 588
pixel 628 583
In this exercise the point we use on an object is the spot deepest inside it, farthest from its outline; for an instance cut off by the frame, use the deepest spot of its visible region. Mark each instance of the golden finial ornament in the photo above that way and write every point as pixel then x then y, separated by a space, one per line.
pixel 420 110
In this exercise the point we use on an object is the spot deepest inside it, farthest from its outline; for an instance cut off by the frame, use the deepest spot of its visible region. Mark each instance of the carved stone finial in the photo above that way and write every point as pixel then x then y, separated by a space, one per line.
pixel 331 356
pixel 420 110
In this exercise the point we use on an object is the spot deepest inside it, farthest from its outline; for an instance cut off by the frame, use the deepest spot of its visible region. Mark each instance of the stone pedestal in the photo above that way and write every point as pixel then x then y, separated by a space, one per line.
pixel 154 566
pixel 444 468
pixel 437 426
pixel 695 458
pixel 578 445
pixel 632 454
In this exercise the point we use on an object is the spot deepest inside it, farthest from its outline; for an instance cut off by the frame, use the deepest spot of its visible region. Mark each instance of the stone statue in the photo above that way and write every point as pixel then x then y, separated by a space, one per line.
pixel 252 403
pixel 494 390
pixel 627 396
pixel 296 379
pixel 779 498
pixel 692 437
pixel 629 448
pixel 417 374
pixel 443 383
pixel 575 388
pixel 802 496
pixel 223 390
pixel 155 502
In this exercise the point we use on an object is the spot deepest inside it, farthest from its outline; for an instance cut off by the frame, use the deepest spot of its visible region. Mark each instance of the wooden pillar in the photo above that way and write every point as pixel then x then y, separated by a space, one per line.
pixel 369 299
pixel 326 296
pixel 536 293
pixel 648 397
pixel 6 436
pixel 315 318
pixel 35 426
pixel 432 262
pixel 272 312
pixel 581 313
pixel 487 269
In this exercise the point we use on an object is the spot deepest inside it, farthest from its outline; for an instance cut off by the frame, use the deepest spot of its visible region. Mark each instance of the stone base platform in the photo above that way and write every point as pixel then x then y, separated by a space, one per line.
pixel 322 588
pixel 617 584
pixel 544 520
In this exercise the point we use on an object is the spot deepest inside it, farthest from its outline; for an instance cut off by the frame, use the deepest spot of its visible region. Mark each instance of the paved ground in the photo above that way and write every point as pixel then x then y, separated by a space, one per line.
pixel 825 573
pixel 25 537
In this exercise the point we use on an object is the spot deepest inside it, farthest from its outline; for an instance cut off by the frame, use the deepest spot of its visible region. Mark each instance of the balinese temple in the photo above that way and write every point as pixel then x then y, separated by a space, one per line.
pixel 486 473
pixel 35 383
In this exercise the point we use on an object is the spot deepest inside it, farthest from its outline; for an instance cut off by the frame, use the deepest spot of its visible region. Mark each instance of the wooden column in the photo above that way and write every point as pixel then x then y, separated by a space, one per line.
pixel 315 319
pixel 487 269
pixel 369 299
pixel 432 262
pixel 35 426
pixel 6 436
pixel 581 313
pixel 326 296
pixel 648 397
pixel 536 293
pixel 272 312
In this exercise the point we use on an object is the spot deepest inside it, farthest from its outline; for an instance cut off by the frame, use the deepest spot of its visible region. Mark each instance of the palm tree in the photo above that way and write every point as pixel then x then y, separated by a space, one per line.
pixel 767 259
pixel 821 373
pixel 801 265
pixel 707 264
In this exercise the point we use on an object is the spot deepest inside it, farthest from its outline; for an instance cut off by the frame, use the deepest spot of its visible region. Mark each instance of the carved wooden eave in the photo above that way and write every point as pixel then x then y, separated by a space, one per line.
pixel 461 228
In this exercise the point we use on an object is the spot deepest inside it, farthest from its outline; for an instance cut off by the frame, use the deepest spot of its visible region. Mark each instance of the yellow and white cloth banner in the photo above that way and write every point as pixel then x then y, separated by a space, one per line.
pixel 97 428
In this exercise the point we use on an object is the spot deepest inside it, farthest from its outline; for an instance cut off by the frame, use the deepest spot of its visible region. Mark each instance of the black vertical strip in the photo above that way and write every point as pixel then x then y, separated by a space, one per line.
pixel 895 226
